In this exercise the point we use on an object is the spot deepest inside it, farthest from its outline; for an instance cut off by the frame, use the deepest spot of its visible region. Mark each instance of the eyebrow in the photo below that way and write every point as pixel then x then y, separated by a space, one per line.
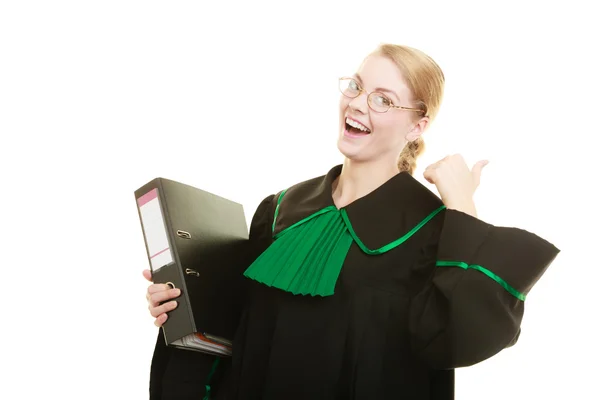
pixel 378 89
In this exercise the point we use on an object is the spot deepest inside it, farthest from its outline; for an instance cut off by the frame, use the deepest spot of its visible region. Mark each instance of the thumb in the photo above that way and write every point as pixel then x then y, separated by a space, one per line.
pixel 476 171
pixel 147 274
pixel 428 175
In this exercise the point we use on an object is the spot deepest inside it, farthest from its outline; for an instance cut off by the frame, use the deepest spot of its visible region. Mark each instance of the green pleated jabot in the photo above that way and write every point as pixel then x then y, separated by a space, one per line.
pixel 307 257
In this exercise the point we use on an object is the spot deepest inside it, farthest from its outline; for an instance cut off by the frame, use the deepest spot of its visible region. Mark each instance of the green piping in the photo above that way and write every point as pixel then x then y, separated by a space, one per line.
pixel 209 377
pixel 393 244
pixel 487 272
pixel 277 208
pixel 322 211
pixel 346 220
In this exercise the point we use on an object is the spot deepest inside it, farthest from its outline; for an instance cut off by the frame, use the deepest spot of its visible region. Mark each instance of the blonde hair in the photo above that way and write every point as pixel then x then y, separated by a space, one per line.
pixel 425 80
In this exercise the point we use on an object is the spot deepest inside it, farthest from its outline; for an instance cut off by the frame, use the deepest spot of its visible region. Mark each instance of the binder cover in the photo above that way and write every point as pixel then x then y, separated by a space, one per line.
pixel 195 241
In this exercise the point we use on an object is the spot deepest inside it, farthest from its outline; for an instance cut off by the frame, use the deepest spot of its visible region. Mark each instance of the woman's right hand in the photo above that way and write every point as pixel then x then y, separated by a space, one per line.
pixel 160 293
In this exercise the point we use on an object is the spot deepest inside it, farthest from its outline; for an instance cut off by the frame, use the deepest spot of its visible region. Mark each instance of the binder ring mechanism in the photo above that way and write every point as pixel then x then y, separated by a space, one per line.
pixel 190 271
pixel 184 234
pixel 187 235
pixel 170 284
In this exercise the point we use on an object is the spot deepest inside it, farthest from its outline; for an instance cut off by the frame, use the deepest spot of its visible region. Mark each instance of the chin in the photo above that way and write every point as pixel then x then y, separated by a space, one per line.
pixel 348 150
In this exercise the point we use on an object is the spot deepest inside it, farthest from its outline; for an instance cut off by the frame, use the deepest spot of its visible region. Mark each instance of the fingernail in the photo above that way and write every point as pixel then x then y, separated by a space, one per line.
pixel 174 304
pixel 177 292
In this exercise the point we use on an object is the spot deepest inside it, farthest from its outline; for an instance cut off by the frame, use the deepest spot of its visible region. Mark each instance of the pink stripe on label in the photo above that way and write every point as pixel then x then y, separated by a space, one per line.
pixel 151 195
pixel 160 252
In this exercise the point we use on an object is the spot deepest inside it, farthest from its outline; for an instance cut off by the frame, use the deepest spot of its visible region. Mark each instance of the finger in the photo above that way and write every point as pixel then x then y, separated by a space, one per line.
pixel 147 274
pixel 160 320
pixel 156 311
pixel 160 297
pixel 476 171
pixel 158 287
pixel 430 168
pixel 480 164
pixel 428 174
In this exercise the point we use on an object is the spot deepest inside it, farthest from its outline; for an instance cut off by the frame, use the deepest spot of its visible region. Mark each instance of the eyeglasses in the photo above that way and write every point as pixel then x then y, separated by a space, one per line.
pixel 377 101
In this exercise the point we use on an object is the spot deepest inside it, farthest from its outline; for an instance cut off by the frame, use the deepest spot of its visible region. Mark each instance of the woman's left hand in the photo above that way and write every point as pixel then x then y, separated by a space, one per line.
pixel 455 182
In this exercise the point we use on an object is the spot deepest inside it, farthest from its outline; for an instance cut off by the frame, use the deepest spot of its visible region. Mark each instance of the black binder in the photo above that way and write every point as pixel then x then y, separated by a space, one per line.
pixel 195 241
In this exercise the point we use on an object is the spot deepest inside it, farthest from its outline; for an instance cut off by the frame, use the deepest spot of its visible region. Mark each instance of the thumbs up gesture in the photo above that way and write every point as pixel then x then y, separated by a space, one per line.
pixel 455 182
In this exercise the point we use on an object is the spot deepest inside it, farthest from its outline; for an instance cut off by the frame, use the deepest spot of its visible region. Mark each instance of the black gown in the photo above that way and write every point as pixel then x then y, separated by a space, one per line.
pixel 448 291
pixel 178 374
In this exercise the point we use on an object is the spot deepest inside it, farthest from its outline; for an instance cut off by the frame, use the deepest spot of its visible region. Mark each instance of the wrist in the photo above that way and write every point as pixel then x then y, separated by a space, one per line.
pixel 466 206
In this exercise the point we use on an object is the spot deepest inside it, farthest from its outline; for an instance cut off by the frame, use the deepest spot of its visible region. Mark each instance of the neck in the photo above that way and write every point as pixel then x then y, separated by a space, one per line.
pixel 358 179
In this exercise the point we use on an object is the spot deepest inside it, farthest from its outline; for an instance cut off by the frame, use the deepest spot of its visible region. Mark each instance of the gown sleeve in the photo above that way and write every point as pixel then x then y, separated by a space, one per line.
pixel 184 374
pixel 473 304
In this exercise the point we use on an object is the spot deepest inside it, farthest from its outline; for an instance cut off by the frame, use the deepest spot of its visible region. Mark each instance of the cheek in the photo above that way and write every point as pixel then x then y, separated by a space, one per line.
pixel 385 123
pixel 344 101
pixel 398 123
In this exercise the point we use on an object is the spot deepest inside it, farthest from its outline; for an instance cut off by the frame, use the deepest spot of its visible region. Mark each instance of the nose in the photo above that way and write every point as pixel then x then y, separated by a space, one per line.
pixel 359 103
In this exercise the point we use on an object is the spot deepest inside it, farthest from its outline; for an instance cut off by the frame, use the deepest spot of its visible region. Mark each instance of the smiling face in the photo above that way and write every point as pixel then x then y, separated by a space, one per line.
pixel 367 135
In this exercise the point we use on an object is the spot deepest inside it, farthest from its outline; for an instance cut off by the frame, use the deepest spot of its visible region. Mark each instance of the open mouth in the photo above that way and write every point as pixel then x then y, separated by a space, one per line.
pixel 356 128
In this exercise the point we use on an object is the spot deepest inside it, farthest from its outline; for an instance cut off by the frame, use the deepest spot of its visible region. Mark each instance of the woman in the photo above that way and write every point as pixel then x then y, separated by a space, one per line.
pixel 363 283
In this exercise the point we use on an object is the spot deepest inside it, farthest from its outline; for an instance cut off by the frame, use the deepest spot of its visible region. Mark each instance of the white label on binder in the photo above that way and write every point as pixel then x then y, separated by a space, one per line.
pixel 155 231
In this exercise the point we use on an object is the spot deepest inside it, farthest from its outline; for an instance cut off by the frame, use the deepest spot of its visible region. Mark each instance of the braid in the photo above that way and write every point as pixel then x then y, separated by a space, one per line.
pixel 409 155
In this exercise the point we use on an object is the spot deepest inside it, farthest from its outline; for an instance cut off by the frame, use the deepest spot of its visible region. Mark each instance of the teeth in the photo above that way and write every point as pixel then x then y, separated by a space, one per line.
pixel 357 125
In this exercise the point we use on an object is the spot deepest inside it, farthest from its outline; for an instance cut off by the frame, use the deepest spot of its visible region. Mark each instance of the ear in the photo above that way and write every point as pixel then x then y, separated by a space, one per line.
pixel 417 130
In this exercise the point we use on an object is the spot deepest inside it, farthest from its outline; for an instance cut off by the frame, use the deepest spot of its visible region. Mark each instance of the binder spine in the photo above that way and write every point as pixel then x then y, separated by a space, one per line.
pixel 163 257
pixel 173 243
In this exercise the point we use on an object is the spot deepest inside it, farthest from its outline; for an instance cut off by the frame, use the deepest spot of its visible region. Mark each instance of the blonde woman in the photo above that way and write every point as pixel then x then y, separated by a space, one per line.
pixel 363 284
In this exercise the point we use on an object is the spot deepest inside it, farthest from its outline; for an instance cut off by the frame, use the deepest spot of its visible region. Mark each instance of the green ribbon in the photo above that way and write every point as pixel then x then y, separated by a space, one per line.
pixel 390 245
pixel 487 272
pixel 209 377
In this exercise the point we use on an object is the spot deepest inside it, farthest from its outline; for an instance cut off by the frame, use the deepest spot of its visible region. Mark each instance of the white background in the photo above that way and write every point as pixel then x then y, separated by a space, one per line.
pixel 240 98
